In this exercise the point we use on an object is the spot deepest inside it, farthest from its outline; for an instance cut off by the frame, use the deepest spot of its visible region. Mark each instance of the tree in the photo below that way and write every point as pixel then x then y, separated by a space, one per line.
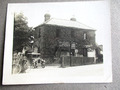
pixel 21 32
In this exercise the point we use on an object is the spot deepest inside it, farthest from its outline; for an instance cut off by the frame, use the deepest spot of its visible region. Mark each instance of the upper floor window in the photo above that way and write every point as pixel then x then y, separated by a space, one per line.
pixel 72 33
pixel 85 36
pixel 57 32
pixel 39 33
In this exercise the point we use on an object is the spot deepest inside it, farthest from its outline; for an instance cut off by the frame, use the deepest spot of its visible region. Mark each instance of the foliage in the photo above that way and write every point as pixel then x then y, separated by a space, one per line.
pixel 21 32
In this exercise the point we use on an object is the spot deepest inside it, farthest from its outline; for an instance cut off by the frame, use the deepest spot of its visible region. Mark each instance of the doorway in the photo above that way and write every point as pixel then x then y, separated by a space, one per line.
pixel 85 52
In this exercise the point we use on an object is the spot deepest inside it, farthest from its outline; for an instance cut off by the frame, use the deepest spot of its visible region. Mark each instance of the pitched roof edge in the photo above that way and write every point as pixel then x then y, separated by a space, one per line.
pixel 70 27
pixel 45 22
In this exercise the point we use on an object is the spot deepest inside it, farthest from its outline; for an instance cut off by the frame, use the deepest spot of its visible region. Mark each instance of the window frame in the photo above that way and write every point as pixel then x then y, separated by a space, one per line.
pixel 84 35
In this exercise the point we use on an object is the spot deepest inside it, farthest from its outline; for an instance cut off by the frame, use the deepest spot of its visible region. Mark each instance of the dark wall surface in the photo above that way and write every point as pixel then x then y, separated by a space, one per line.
pixel 52 35
pixel 115 85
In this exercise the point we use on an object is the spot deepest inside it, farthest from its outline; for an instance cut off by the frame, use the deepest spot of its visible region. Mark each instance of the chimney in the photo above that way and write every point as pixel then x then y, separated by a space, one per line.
pixel 47 16
pixel 73 19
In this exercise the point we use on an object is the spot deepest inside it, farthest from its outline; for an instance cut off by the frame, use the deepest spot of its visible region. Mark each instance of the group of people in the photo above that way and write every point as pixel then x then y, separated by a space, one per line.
pixel 20 63
pixel 38 60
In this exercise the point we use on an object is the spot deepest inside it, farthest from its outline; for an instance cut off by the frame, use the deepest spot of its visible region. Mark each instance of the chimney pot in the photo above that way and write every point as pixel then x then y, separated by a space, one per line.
pixel 47 16
pixel 73 19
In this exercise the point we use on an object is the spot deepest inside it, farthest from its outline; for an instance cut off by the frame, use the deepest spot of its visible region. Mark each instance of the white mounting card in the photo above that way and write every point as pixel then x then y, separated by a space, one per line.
pixel 58 42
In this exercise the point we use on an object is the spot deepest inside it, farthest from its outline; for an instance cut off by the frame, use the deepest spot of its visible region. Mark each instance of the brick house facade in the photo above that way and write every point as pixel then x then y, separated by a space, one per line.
pixel 57 37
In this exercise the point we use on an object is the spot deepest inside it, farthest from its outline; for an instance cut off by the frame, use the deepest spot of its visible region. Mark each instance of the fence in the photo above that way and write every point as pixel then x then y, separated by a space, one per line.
pixel 76 61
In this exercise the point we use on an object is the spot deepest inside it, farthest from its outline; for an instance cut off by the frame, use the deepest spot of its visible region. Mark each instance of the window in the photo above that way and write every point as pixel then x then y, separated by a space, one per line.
pixel 58 33
pixel 72 33
pixel 38 61
pixel 39 33
pixel 85 36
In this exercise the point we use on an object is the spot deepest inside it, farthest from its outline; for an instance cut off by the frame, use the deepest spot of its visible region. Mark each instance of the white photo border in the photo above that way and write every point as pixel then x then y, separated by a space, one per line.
pixel 10 79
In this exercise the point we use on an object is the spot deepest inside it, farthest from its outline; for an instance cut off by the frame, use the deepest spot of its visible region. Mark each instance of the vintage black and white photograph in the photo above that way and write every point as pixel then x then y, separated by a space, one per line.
pixel 58 42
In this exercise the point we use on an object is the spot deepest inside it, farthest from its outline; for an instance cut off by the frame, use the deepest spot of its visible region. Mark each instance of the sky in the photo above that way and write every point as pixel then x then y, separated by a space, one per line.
pixel 95 14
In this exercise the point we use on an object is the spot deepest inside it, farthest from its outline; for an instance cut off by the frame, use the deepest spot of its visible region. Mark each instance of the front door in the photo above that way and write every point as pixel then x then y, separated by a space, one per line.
pixel 85 52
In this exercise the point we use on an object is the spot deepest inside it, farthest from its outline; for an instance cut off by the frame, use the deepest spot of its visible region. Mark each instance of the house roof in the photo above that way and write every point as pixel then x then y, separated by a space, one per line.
pixel 67 23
